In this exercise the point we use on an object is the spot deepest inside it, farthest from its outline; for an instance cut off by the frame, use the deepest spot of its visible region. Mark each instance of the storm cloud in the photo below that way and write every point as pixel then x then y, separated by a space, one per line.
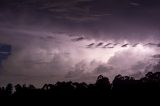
pixel 109 19
pixel 55 40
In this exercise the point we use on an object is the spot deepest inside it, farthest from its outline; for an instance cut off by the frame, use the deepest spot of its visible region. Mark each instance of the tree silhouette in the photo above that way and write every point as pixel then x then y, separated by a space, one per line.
pixel 9 89
pixel 121 86
pixel 103 85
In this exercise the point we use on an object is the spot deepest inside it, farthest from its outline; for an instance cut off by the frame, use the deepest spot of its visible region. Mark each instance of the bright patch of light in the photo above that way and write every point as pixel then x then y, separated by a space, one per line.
pixel 104 54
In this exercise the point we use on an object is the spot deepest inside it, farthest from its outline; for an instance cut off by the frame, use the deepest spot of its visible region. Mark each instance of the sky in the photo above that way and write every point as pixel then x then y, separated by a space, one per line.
pixel 44 41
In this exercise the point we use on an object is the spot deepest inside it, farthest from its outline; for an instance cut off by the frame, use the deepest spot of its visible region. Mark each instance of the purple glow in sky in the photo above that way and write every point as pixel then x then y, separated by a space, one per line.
pixel 77 40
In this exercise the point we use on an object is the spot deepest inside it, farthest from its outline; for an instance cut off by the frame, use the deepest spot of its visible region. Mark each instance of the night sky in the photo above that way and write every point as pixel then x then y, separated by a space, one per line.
pixel 44 41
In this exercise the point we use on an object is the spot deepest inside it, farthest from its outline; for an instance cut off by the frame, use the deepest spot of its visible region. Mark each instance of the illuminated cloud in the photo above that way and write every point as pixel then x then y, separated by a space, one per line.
pixel 78 39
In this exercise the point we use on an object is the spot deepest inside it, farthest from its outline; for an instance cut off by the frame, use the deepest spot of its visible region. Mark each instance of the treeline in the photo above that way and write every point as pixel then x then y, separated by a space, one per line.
pixel 121 85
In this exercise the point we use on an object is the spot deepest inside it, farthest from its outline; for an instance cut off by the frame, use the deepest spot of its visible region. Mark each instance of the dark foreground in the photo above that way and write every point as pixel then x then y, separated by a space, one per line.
pixel 122 87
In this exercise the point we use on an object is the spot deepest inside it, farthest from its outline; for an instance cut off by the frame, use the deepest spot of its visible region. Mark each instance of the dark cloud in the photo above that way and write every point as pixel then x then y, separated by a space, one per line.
pixel 125 45
pixel 158 45
pixel 99 44
pixel 5 48
pixel 78 39
pixel 134 45
pixel 101 69
pixel 47 38
pixel 110 47
pixel 153 67
pixel 107 45
pixel 5 51
pixel 156 56
pixel 116 44
pixel 109 19
pixel 151 44
pixel 90 45
pixel 156 68
pixel 139 66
